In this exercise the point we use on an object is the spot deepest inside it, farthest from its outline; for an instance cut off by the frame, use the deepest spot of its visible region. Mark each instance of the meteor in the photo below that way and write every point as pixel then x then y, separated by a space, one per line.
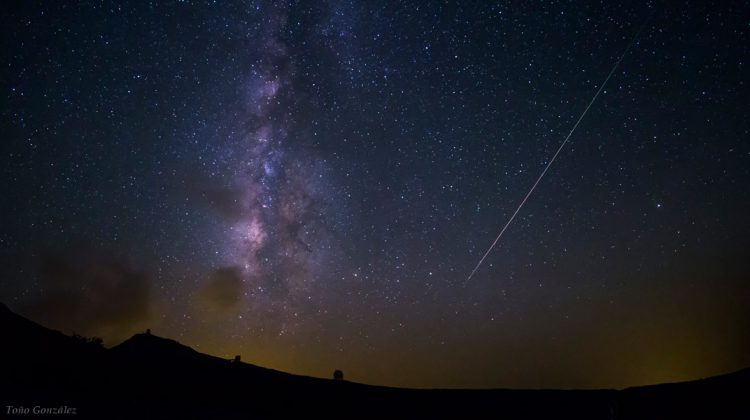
pixel 559 149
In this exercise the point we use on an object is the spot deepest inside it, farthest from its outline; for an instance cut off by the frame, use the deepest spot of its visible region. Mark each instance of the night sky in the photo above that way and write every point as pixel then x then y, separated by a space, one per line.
pixel 309 184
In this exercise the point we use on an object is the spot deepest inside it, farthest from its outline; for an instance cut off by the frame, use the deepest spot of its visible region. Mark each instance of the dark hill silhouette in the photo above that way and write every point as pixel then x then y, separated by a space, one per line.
pixel 147 346
pixel 153 377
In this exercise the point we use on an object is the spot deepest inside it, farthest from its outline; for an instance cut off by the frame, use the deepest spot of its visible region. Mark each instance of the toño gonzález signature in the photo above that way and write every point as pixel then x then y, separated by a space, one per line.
pixel 38 409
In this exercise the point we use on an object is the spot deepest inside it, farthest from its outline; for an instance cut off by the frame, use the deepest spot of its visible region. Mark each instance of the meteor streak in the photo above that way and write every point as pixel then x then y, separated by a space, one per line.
pixel 559 149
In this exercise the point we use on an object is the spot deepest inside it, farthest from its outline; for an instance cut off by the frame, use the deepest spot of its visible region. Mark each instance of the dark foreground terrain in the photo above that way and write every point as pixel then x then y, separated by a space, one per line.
pixel 152 377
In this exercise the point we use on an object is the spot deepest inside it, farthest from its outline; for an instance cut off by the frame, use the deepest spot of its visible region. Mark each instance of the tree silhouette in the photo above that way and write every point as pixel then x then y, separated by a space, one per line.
pixel 92 341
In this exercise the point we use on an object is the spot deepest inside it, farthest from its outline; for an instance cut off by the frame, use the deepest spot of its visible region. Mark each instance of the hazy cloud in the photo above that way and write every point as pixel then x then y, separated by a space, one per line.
pixel 90 292
pixel 223 290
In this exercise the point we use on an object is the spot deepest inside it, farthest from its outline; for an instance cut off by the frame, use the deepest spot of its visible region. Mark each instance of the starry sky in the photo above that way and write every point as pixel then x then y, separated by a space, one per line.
pixel 309 184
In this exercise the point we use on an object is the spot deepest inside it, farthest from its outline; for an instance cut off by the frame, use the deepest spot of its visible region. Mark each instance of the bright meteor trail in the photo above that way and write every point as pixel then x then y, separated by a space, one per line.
pixel 559 149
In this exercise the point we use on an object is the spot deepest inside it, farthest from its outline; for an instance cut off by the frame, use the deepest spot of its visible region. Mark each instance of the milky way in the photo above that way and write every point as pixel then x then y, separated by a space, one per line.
pixel 279 238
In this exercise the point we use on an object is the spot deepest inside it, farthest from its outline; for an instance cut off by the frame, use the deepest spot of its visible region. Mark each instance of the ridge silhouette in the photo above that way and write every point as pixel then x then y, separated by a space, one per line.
pixel 148 376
